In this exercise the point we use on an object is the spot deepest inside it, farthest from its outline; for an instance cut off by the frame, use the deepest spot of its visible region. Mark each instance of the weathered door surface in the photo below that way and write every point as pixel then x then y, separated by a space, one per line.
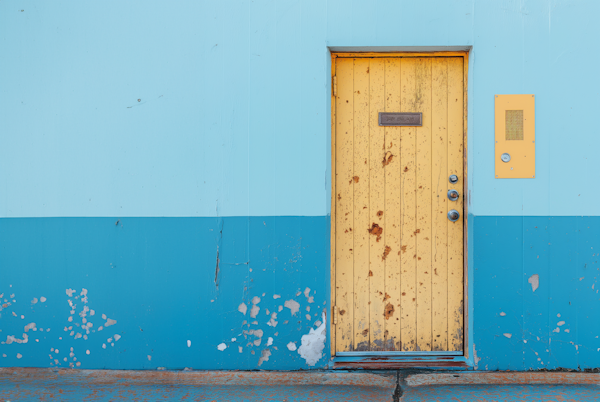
pixel 398 257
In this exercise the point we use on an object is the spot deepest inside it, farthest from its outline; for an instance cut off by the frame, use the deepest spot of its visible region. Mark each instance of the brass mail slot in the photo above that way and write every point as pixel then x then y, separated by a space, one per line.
pixel 401 119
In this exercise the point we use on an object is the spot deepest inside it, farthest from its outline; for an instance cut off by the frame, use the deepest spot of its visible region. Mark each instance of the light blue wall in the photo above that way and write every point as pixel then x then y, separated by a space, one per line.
pixel 234 111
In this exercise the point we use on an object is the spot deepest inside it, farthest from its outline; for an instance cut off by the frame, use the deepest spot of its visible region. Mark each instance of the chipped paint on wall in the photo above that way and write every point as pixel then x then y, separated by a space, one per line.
pixel 533 304
pixel 313 343
pixel 132 292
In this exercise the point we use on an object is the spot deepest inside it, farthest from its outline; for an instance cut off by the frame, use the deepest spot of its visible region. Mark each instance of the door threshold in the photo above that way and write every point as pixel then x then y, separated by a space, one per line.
pixel 399 361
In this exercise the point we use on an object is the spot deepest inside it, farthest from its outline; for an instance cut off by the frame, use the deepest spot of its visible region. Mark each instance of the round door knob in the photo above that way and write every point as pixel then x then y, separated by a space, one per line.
pixel 453 195
pixel 505 157
pixel 453 178
pixel 453 215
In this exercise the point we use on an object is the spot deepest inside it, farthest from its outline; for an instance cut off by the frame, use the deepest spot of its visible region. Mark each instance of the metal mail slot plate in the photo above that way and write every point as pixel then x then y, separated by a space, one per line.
pixel 401 119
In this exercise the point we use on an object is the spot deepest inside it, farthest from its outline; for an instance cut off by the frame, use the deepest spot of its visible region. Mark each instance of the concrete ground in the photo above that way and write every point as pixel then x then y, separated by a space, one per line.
pixel 100 385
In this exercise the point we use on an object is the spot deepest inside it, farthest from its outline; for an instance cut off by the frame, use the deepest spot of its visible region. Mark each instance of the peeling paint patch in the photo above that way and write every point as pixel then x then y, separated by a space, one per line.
pixel 70 292
pixel 110 322
pixel 272 322
pixel 291 346
pixel 222 347
pixel 508 335
pixel 293 305
pixel 264 356
pixel 276 296
pixel 535 281
pixel 313 344
pixel 189 343
pixel 242 308
pixel 560 323
pixel 255 309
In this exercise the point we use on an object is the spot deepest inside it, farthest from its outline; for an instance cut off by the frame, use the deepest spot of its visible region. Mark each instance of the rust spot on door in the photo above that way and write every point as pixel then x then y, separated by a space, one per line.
pixel 387 158
pixel 355 178
pixel 386 252
pixel 389 311
pixel 376 230
pixel 380 214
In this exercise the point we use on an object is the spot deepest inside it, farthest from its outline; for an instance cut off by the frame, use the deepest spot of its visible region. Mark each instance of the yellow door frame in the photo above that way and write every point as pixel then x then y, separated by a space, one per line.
pixel 336 55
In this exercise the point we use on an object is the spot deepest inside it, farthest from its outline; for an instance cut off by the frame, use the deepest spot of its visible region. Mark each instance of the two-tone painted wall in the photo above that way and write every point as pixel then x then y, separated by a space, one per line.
pixel 165 179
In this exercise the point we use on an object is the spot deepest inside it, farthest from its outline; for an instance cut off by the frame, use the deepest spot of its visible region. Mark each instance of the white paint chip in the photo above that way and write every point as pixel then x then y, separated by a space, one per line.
pixel 19 355
pixel 313 343
pixel 222 347
pixel 502 314
pixel 110 322
pixel 508 335
pixel 255 300
pixel 276 296
pixel 149 357
pixel 87 352
pixel 560 323
pixel 240 349
pixel 264 356
pixel 254 311
pixel 293 305
pixel 42 299
pixel 291 346
pixel 535 281
pixel 242 308
pixel 70 292
pixel 269 341
pixel 104 347
pixel 189 343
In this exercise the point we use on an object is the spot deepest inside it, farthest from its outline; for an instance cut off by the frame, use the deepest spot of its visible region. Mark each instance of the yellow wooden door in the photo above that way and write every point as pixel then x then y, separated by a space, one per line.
pixel 398 257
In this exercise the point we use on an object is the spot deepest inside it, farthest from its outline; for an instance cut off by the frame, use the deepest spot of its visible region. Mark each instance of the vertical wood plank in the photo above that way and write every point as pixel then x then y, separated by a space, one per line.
pixel 360 182
pixel 376 204
pixel 344 171
pixel 455 229
pixel 389 161
pixel 439 254
pixel 333 231
pixel 424 205
pixel 408 209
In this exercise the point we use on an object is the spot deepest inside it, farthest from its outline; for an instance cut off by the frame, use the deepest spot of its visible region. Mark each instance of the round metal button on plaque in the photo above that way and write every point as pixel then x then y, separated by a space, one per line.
pixel 453 195
pixel 453 178
pixel 505 157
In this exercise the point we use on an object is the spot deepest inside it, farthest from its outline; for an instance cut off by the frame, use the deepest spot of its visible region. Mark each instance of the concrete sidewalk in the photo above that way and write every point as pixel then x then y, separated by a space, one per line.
pixel 101 385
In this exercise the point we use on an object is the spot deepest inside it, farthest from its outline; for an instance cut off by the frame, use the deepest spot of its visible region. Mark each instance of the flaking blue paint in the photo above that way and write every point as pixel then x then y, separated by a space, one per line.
pixel 156 277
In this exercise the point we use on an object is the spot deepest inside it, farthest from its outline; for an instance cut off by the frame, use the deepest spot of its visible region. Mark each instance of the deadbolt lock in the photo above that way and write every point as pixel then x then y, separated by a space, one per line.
pixel 453 178
pixel 453 195
pixel 453 215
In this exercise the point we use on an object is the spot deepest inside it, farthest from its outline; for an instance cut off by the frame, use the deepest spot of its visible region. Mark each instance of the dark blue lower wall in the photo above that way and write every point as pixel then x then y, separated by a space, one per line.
pixel 156 278
pixel 558 324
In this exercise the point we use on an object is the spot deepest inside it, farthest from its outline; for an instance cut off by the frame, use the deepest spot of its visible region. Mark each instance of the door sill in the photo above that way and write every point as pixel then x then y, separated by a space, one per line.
pixel 404 361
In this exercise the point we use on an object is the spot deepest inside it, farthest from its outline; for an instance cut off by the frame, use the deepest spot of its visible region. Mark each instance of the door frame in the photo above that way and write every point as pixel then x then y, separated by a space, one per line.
pixel 409 355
